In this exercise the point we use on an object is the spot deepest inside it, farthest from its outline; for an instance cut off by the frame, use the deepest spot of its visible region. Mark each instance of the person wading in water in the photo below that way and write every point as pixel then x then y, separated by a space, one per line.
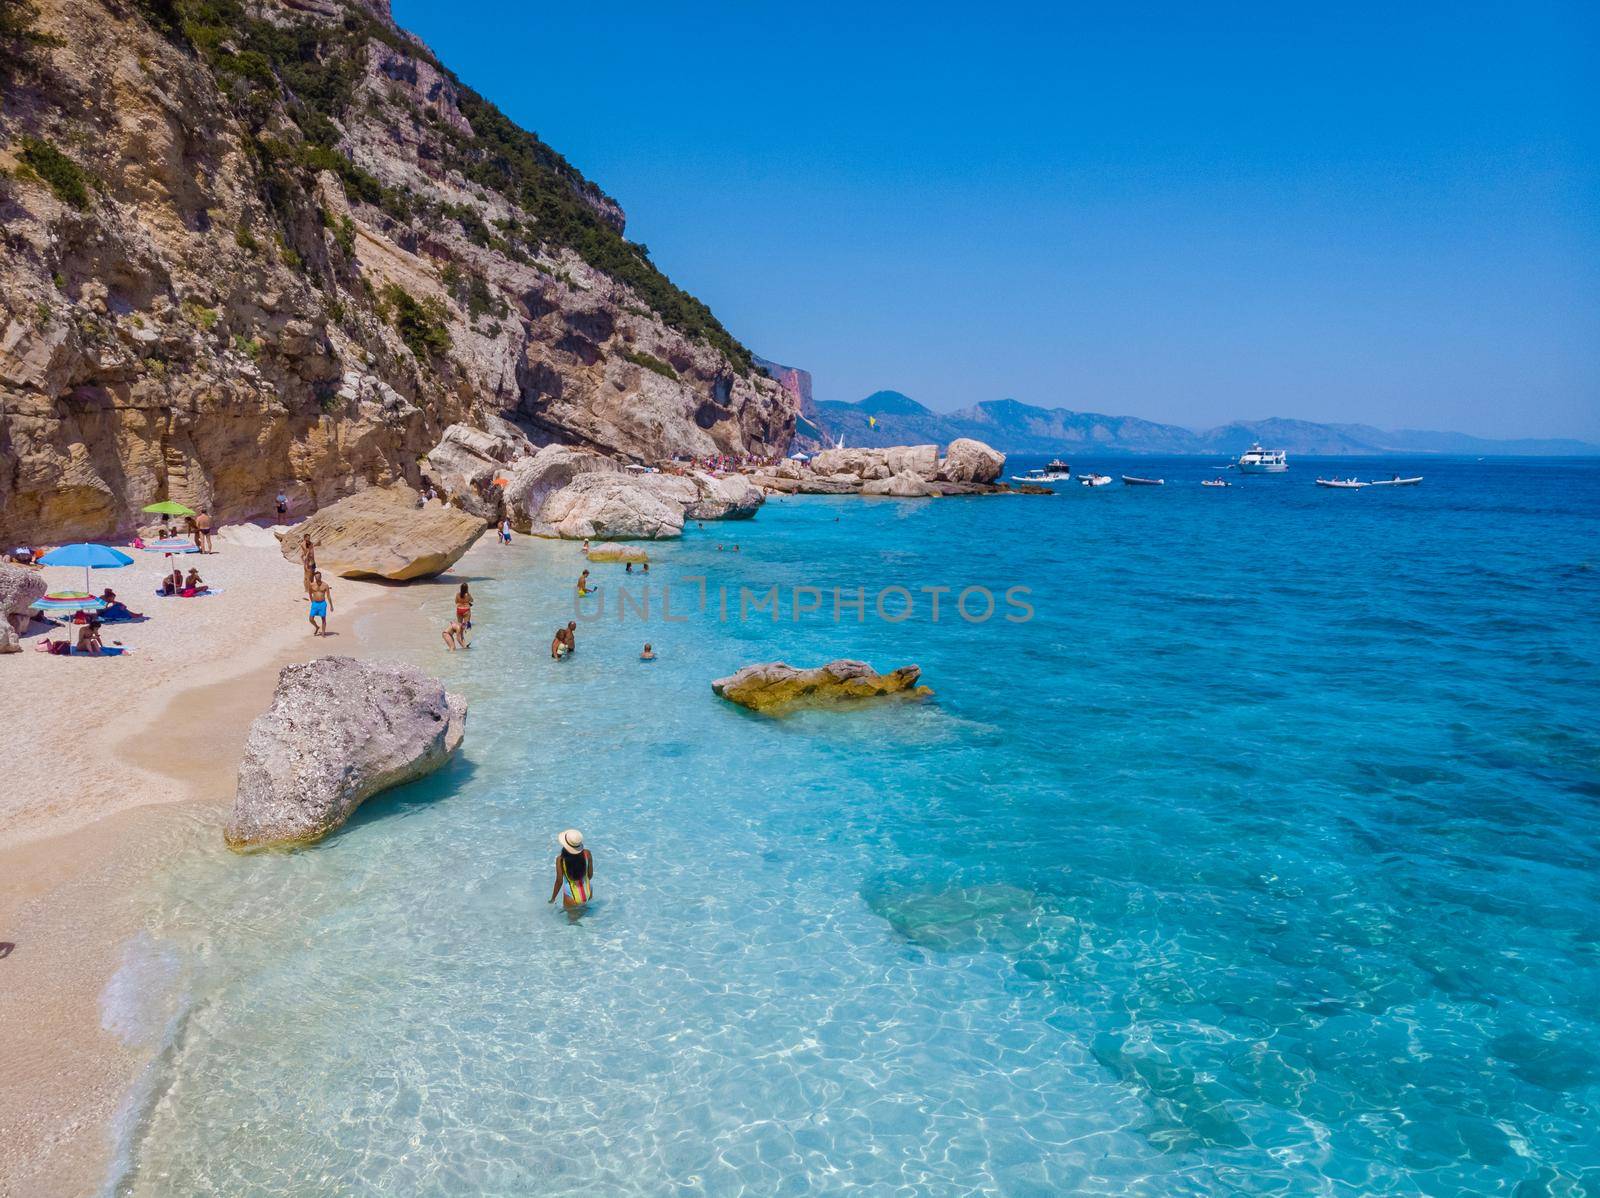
pixel 574 870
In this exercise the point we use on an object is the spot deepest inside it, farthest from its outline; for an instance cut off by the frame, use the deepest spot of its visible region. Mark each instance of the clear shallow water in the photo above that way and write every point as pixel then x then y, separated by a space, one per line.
pixel 1261 860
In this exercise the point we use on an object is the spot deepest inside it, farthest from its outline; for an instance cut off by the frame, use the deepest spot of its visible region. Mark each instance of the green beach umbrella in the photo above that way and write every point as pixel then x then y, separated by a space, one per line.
pixel 168 507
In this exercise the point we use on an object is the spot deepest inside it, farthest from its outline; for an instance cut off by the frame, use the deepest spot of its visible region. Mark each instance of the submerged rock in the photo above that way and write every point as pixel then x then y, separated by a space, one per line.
pixel 338 732
pixel 381 532
pixel 617 553
pixel 773 685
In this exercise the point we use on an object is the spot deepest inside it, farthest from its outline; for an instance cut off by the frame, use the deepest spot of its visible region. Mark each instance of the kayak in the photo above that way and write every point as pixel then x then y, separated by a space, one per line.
pixel 1395 482
pixel 1131 481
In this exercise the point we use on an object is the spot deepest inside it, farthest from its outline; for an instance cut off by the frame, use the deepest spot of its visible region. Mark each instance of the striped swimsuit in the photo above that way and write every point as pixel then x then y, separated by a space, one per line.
pixel 579 889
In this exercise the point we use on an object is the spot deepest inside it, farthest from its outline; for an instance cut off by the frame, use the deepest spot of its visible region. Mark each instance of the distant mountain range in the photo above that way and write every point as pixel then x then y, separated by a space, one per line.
pixel 890 418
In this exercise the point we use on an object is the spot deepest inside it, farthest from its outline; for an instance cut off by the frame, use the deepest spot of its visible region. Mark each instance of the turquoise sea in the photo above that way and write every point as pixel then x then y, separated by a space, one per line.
pixel 1263 859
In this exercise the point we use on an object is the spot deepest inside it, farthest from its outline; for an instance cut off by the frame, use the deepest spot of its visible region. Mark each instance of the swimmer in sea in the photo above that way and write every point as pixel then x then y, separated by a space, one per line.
pixel 574 870
pixel 649 654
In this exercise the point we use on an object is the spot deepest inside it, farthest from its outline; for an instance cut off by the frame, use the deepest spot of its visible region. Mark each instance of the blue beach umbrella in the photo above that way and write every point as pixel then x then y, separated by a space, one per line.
pixel 90 557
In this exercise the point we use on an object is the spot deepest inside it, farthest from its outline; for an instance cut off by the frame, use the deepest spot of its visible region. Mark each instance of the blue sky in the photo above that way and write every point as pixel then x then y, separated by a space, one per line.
pixel 1188 212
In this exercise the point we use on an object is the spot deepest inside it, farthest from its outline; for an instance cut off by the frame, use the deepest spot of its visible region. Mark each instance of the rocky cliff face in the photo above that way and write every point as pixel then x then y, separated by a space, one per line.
pixel 252 247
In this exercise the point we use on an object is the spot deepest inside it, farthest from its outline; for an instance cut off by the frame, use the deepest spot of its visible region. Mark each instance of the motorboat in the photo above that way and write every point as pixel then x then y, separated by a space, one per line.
pixel 1396 481
pixel 1055 472
pixel 1095 480
pixel 1256 460
pixel 1131 481
pixel 1342 484
pixel 1215 482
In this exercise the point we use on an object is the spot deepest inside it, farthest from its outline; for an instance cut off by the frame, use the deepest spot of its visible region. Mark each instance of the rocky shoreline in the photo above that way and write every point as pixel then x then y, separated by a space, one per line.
pixel 567 492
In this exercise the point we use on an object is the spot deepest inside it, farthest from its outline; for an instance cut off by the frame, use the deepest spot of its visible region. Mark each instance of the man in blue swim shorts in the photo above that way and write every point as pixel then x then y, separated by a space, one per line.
pixel 321 604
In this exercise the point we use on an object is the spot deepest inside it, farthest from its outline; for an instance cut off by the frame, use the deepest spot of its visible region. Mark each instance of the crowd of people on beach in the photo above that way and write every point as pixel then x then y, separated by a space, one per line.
pixel 723 463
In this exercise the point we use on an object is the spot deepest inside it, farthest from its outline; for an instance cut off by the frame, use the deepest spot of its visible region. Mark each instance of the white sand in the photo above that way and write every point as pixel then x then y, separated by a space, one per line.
pixel 96 752
pixel 88 705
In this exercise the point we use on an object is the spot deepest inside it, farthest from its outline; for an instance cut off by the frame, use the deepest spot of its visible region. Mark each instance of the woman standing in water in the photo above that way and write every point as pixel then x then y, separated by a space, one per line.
pixel 574 870
pixel 464 607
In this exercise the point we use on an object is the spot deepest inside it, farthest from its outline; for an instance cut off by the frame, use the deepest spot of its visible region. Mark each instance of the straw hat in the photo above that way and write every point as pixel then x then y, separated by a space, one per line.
pixel 572 840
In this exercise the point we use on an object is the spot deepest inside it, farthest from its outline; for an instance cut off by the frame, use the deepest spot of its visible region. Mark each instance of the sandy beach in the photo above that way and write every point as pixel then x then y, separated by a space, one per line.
pixel 114 764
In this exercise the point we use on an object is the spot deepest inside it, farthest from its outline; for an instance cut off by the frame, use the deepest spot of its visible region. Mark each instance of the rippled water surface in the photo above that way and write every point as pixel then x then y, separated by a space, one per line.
pixel 1262 860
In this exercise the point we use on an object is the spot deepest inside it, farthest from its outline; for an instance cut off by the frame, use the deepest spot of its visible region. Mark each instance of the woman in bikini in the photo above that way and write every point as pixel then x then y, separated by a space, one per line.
pixel 464 607
pixel 574 870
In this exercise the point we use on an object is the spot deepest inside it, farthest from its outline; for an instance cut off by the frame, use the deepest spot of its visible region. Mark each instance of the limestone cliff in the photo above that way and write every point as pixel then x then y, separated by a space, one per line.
pixel 277 245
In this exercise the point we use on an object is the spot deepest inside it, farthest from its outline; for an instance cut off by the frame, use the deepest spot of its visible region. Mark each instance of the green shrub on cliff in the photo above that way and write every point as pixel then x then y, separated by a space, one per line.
pixel 422 325
pixel 314 67
pixel 650 362
pixel 18 36
pixel 63 176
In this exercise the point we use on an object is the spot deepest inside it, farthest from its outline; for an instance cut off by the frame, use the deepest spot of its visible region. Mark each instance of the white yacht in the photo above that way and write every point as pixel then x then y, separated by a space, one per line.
pixel 1056 472
pixel 1256 460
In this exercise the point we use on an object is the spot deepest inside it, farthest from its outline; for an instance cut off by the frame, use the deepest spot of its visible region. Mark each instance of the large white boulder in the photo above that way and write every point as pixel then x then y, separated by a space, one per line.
pixel 732 497
pixel 905 485
pixel 608 507
pixel 969 461
pixel 533 480
pixel 466 462
pixel 338 732
pixel 381 532
pixel 19 587
pixel 917 459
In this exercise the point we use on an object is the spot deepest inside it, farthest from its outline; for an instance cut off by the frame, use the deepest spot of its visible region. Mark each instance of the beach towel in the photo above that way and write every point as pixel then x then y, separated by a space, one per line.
pixel 201 595
pixel 170 547
pixel 105 651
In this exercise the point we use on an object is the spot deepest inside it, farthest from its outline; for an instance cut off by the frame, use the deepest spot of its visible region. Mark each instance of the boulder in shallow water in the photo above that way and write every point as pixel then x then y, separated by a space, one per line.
pixel 338 732
pixel 382 533
pixel 773 686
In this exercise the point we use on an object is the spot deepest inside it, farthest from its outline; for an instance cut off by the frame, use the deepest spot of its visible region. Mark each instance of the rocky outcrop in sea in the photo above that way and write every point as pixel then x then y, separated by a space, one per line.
pixel 967 467
pixel 773 687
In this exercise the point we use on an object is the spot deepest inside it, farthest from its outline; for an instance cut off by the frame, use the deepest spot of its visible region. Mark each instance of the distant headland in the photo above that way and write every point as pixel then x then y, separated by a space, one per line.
pixel 887 418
